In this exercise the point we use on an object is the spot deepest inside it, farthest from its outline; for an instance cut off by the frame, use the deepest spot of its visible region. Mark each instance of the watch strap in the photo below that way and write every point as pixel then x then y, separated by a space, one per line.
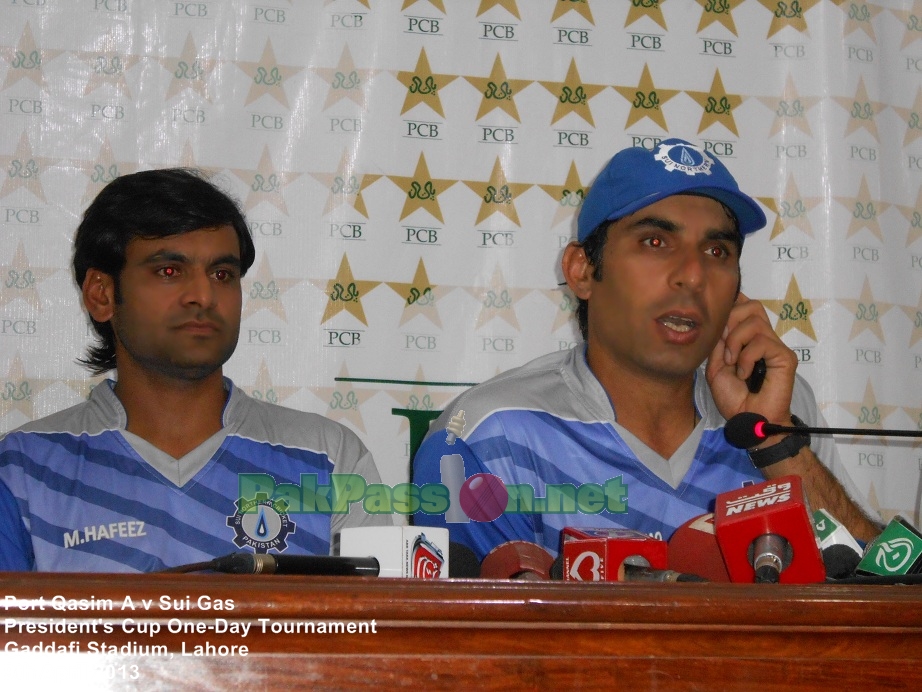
pixel 789 447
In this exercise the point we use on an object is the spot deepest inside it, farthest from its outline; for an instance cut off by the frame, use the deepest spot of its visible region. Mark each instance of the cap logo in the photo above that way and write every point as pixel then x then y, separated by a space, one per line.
pixel 683 157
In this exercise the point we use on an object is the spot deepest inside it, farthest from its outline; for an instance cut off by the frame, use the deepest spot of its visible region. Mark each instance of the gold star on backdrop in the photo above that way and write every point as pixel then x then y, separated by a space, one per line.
pixel 913 215
pixel 865 211
pixel 190 71
pixel 23 170
pixel 581 8
pixel 187 160
pixel 264 291
pixel 497 194
pixel 345 186
pixel 718 105
pixel 19 391
pixel 345 293
pixel 912 20
pixel 859 17
pixel 719 13
pixel 263 389
pixel 646 99
pixel 790 109
pixel 438 4
pixel 915 414
pixel 420 397
pixel 569 196
pixel 423 85
pixel 498 299
pixel 866 313
pixel 108 65
pixel 419 297
pixel 26 60
pixel 422 190
pixel 792 209
pixel 913 119
pixel 509 5
pixel 84 385
pixel 566 303
pixel 20 278
pixel 572 95
pixel 862 111
pixel 794 311
pixel 346 81
pixel 344 402
pixel 788 13
pixel 868 412
pixel 914 313
pixel 498 91
pixel 265 183
pixel 103 171
pixel 267 77
pixel 653 10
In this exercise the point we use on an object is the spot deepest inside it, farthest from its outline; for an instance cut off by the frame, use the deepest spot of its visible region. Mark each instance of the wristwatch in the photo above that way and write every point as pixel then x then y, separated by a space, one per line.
pixel 787 448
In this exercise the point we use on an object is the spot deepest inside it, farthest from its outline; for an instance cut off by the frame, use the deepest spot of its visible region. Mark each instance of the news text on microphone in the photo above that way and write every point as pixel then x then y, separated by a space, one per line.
pixel 310 496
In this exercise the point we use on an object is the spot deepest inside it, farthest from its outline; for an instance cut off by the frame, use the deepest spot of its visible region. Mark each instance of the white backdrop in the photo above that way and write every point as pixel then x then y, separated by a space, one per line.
pixel 412 168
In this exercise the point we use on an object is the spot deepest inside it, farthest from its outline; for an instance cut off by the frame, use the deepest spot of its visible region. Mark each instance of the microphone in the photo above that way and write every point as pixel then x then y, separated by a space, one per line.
pixel 765 534
pixel 841 552
pixel 462 562
pixel 746 430
pixel 599 554
pixel 896 552
pixel 517 560
pixel 422 552
pixel 693 548
pixel 318 565
pixel 629 572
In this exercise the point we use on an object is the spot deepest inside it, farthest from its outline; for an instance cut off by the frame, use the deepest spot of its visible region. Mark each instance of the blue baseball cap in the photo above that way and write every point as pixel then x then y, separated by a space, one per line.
pixel 637 177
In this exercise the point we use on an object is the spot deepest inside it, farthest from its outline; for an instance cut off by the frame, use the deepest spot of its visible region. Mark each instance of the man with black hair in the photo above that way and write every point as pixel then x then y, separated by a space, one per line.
pixel 151 471
pixel 636 414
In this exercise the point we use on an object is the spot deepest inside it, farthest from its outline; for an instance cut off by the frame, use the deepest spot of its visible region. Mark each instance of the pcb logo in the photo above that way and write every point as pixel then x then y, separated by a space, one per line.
pixel 261 524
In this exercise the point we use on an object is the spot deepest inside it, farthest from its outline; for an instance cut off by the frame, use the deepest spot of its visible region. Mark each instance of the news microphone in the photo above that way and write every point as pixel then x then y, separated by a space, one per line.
pixel 693 548
pixel 896 552
pixel 841 552
pixel 747 430
pixel 517 560
pixel 462 562
pixel 318 565
pixel 629 572
pixel 598 554
pixel 765 534
pixel 422 552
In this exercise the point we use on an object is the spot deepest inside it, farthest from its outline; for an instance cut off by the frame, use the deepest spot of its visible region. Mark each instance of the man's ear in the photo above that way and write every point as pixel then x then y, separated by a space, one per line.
pixel 99 295
pixel 577 271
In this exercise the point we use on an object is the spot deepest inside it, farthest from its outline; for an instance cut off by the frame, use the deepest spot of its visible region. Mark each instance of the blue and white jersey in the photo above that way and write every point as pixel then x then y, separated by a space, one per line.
pixel 78 493
pixel 549 426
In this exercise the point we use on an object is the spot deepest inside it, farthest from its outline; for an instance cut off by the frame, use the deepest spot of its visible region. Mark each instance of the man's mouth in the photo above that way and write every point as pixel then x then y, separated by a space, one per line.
pixel 678 324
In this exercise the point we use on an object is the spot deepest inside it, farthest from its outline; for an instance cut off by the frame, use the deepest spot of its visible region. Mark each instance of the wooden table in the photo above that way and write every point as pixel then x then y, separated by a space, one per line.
pixel 454 634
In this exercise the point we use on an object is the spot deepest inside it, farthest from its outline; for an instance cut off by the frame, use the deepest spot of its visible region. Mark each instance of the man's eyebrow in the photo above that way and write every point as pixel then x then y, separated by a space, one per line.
pixel 668 226
pixel 180 258
pixel 232 260
pixel 165 256
pixel 656 222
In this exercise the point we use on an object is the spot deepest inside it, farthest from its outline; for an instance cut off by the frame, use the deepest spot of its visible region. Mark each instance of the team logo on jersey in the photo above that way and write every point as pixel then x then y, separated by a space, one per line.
pixel 684 157
pixel 261 524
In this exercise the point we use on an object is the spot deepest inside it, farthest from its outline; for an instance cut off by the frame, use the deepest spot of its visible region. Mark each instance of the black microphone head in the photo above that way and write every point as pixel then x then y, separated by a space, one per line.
pixel 462 561
pixel 840 561
pixel 742 431
pixel 556 571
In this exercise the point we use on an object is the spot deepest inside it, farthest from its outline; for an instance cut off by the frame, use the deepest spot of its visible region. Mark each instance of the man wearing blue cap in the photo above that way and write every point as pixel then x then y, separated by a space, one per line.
pixel 638 410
